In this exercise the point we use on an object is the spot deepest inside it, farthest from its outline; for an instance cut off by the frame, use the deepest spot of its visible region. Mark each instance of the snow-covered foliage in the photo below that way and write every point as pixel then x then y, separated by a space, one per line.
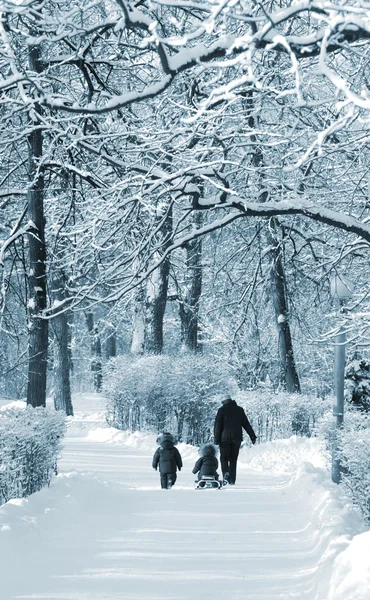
pixel 166 392
pixel 355 457
pixel 30 442
pixel 182 394
pixel 358 382
pixel 354 454
pixel 275 415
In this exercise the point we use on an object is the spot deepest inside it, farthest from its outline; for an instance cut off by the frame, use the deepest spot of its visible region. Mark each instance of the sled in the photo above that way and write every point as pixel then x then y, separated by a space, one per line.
pixel 208 483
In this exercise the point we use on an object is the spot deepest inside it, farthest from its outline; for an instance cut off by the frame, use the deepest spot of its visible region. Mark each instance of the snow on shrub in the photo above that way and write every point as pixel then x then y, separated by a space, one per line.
pixel 155 393
pixel 181 393
pixel 354 446
pixel 358 382
pixel 353 440
pixel 275 415
pixel 30 442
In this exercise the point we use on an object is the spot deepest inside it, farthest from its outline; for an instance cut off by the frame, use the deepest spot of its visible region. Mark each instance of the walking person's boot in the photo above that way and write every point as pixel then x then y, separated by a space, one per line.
pixel 226 479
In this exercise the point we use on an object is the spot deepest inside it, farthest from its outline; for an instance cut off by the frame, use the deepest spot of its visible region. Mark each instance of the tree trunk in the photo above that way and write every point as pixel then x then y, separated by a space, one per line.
pixel 38 327
pixel 189 299
pixel 156 296
pixel 62 382
pixel 138 325
pixel 180 417
pixel 111 343
pixel 288 372
pixel 62 355
pixel 95 346
pixel 155 306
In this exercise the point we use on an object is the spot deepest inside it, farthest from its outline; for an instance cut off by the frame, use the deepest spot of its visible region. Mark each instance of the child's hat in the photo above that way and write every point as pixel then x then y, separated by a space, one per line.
pixel 166 436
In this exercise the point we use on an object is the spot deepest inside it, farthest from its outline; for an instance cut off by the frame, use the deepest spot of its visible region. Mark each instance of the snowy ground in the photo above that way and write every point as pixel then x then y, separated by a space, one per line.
pixel 105 530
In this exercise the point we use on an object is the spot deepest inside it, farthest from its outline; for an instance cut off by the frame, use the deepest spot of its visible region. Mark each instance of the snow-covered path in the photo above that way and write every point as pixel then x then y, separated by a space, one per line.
pixel 106 531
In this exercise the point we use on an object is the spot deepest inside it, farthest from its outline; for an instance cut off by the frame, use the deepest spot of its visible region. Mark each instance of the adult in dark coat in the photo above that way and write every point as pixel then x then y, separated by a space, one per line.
pixel 207 464
pixel 168 459
pixel 228 434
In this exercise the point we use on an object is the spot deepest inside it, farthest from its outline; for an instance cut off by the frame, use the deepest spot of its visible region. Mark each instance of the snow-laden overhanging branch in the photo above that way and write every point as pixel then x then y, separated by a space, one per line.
pixel 233 210
pixel 305 208
pixel 299 205
pixel 173 37
pixel 250 209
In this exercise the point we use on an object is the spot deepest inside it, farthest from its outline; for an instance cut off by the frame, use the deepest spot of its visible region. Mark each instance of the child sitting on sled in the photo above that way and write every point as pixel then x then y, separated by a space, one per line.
pixel 168 458
pixel 207 464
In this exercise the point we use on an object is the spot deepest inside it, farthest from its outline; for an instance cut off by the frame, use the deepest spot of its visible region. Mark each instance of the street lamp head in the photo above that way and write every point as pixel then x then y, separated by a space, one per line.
pixel 341 288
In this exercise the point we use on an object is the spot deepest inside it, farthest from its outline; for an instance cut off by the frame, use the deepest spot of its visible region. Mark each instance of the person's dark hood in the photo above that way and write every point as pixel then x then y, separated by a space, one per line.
pixel 166 440
pixel 167 444
pixel 208 450
pixel 227 400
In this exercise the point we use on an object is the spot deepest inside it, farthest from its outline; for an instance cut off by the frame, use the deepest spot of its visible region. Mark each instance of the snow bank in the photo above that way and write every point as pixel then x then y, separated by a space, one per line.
pixel 279 456
pixel 283 456
pixel 335 523
pixel 5 404
pixel 110 435
pixel 351 571
pixel 138 439
pixel 344 568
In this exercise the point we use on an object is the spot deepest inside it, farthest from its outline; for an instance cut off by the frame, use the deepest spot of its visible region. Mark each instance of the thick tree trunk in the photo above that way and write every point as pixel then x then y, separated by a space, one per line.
pixel 95 346
pixel 111 343
pixel 62 354
pixel 155 306
pixel 288 372
pixel 38 327
pixel 62 381
pixel 190 295
pixel 156 296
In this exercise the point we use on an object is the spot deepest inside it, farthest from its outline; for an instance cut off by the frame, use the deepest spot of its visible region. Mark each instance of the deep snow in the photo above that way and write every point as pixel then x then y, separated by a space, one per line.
pixel 104 530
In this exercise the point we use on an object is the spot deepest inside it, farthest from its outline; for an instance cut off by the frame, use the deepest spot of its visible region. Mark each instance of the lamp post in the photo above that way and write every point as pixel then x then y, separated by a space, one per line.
pixel 341 290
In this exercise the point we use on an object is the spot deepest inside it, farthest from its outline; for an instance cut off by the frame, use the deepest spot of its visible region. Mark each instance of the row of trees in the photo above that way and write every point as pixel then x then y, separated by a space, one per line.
pixel 211 157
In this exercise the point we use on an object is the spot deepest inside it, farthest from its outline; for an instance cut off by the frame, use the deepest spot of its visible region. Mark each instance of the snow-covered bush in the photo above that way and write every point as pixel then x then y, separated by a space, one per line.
pixel 181 393
pixel 279 414
pixel 358 382
pixel 166 392
pixel 30 442
pixel 353 447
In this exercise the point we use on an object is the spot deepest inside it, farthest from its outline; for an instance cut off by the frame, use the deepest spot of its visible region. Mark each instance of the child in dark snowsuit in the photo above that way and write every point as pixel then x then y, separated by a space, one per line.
pixel 168 458
pixel 207 464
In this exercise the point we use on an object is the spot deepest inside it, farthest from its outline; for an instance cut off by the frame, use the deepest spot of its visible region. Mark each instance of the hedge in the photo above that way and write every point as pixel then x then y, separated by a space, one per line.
pixel 30 442
pixel 155 393
pixel 182 393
